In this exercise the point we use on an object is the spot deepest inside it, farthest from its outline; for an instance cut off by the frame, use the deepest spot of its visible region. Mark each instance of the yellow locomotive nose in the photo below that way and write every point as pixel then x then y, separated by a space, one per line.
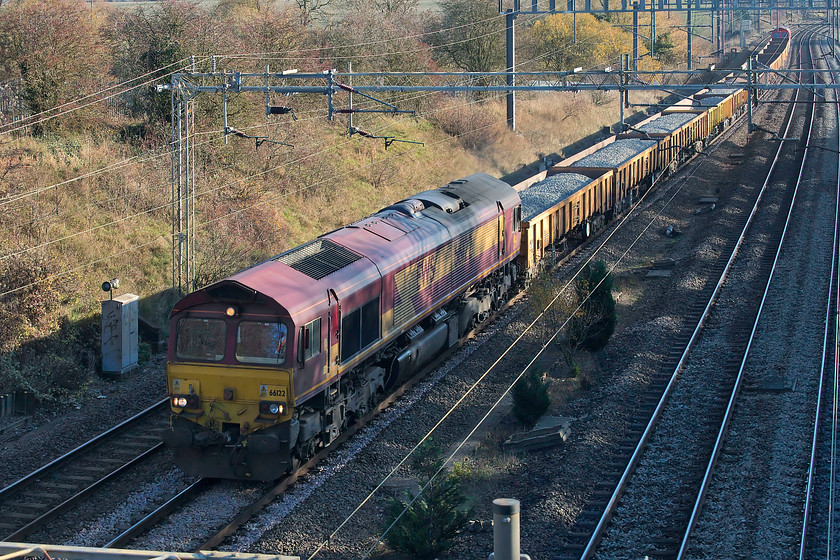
pixel 217 409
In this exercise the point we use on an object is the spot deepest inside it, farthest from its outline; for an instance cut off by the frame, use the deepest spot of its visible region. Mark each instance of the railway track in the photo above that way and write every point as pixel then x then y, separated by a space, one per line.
pixel 571 260
pixel 820 518
pixel 268 492
pixel 33 501
pixel 127 535
pixel 772 412
pixel 651 480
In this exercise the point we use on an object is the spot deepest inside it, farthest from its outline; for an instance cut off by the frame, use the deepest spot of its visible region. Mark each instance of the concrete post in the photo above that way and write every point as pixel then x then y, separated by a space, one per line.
pixel 506 529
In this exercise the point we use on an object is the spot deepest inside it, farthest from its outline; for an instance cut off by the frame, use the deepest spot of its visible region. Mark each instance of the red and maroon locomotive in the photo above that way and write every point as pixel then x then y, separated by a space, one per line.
pixel 270 364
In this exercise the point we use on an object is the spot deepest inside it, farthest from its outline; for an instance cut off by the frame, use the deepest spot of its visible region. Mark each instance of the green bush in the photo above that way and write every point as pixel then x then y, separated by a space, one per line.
pixel 530 398
pixel 428 526
pixel 594 323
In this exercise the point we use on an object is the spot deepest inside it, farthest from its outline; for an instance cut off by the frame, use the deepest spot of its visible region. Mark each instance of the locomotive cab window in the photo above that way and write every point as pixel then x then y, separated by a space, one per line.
pixel 200 339
pixel 359 329
pixel 517 218
pixel 310 340
pixel 261 343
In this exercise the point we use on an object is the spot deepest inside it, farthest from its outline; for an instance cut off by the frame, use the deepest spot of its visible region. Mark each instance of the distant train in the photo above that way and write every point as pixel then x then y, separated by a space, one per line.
pixel 271 364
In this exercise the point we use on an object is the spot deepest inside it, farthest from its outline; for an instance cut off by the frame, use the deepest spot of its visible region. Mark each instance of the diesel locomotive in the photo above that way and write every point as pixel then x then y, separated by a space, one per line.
pixel 272 363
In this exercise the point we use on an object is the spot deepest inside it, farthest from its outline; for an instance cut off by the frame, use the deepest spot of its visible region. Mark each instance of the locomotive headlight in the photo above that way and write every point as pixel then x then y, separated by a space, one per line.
pixel 179 401
pixel 272 408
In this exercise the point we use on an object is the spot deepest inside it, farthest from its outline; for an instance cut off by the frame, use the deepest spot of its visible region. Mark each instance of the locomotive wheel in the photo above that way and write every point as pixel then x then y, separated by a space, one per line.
pixel 294 460
pixel 375 399
pixel 302 451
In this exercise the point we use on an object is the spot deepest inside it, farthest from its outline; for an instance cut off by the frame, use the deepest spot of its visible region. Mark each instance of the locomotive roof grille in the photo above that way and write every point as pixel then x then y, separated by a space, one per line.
pixel 319 259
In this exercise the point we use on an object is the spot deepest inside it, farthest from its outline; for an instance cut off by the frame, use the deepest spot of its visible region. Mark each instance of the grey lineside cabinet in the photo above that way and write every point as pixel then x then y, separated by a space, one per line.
pixel 119 335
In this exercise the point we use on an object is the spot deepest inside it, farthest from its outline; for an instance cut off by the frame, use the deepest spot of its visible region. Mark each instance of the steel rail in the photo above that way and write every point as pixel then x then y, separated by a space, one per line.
pixel 42 520
pixel 77 451
pixel 172 504
pixel 834 436
pixel 600 528
pixel 65 461
pixel 829 315
pixel 707 477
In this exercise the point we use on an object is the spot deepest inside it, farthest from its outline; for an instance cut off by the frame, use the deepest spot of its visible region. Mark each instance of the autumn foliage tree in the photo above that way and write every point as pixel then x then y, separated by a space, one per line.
pixel 53 48
pixel 598 42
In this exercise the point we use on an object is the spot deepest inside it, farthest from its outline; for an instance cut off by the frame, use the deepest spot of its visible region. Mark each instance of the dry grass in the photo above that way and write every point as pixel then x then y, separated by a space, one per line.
pixel 252 202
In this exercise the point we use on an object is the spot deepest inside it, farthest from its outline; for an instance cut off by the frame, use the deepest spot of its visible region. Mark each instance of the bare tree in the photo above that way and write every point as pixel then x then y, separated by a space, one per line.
pixel 155 39
pixel 311 9
pixel 53 47
pixel 472 35
pixel 386 7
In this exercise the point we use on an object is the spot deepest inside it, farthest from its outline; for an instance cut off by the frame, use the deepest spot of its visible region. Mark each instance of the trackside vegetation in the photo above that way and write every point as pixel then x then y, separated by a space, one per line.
pixel 425 524
pixel 530 397
pixel 85 185
pixel 592 325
